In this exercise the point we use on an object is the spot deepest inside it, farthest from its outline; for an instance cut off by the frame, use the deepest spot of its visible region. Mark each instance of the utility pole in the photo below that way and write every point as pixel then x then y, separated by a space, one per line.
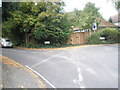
pixel 26 40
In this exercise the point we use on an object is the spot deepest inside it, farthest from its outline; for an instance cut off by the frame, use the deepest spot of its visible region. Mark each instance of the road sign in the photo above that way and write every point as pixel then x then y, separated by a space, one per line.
pixel 47 42
pixel 94 26
pixel 102 38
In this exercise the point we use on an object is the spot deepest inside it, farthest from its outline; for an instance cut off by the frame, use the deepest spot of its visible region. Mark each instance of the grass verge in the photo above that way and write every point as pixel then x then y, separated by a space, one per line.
pixel 62 46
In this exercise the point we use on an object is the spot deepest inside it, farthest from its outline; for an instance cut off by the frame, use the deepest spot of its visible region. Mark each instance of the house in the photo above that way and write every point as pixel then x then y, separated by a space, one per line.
pixel 79 35
pixel 105 24
pixel 116 19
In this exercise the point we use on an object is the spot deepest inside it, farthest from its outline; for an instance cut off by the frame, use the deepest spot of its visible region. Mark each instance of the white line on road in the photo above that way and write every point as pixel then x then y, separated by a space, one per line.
pixel 41 76
pixel 80 81
pixel 21 51
pixel 34 52
pixel 79 74
pixel 45 60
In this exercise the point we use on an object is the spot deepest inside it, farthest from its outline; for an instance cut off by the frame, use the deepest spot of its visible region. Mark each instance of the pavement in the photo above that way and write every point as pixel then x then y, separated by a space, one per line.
pixel 80 67
pixel 15 75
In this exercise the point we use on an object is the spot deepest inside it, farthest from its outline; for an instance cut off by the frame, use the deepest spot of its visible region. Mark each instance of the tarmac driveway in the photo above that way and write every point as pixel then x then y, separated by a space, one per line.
pixel 81 67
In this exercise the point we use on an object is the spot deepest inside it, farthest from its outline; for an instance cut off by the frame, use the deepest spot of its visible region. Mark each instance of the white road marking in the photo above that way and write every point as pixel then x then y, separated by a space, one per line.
pixel 50 51
pixel 41 76
pixel 34 52
pixel 32 57
pixel 79 74
pixel 80 77
pixel 21 51
pixel 91 71
pixel 68 59
pixel 45 60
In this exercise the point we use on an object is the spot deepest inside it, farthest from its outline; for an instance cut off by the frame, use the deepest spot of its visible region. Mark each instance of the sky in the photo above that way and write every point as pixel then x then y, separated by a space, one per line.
pixel 0 3
pixel 106 7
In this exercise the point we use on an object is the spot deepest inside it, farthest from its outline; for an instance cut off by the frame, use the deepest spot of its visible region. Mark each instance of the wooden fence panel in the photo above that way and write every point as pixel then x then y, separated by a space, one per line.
pixel 79 37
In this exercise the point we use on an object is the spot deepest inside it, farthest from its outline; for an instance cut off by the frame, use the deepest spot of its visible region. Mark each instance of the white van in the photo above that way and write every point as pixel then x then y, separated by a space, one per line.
pixel 6 43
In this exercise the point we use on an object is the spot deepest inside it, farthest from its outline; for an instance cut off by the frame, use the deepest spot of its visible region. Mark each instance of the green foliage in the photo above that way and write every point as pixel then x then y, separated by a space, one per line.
pixel 116 3
pixel 110 20
pixel 111 35
pixel 8 7
pixel 72 17
pixel 88 16
pixel 95 39
pixel 52 25
pixel 44 21
pixel 84 18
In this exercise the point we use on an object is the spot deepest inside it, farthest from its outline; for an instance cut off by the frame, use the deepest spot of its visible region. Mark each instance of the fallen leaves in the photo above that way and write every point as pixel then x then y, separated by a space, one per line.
pixel 9 61
pixel 21 87
pixel 1 86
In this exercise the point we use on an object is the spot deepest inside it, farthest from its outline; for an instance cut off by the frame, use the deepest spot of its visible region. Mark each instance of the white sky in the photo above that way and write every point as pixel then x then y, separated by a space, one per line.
pixel 106 7
pixel 0 3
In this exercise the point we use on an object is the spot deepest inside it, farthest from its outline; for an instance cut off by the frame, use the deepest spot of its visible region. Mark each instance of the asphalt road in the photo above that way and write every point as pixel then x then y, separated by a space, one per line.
pixel 87 67
pixel 13 77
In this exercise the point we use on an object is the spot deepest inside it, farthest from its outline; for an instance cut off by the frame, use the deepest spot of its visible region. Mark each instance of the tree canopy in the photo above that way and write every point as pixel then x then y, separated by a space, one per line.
pixel 44 21
pixel 85 18
pixel 116 3
pixel 110 20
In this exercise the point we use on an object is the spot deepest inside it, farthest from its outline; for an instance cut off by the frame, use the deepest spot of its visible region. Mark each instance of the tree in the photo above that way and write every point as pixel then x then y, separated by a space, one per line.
pixel 44 21
pixel 116 3
pixel 72 17
pixel 51 24
pixel 14 24
pixel 110 20
pixel 8 7
pixel 88 15
pixel 85 18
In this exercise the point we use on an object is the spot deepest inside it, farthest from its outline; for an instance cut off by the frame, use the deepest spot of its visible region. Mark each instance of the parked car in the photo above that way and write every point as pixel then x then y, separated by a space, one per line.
pixel 6 42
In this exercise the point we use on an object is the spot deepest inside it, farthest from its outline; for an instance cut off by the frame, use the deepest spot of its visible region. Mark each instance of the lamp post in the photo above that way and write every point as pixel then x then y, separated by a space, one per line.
pixel 26 40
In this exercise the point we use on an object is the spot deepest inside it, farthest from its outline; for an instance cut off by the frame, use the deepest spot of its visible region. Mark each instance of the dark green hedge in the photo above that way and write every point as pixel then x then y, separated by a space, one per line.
pixel 112 35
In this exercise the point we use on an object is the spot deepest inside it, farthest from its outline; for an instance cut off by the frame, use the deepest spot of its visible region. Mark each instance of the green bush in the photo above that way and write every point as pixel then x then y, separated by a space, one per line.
pixel 112 35
pixel 95 38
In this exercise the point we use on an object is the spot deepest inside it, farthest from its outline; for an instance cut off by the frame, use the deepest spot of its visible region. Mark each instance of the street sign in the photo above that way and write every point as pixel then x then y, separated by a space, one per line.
pixel 102 38
pixel 47 42
pixel 94 26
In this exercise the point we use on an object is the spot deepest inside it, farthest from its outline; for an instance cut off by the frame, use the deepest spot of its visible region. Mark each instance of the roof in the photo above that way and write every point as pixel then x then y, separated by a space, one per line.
pixel 74 29
pixel 104 23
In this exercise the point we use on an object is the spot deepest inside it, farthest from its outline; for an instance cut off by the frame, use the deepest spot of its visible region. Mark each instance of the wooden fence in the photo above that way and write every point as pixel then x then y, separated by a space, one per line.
pixel 79 37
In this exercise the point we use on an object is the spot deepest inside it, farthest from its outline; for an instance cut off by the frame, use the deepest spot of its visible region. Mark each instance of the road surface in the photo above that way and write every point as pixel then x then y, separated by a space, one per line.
pixel 81 67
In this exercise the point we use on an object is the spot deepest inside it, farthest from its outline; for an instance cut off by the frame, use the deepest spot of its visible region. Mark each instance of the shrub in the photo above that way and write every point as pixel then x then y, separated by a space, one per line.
pixel 95 38
pixel 112 35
